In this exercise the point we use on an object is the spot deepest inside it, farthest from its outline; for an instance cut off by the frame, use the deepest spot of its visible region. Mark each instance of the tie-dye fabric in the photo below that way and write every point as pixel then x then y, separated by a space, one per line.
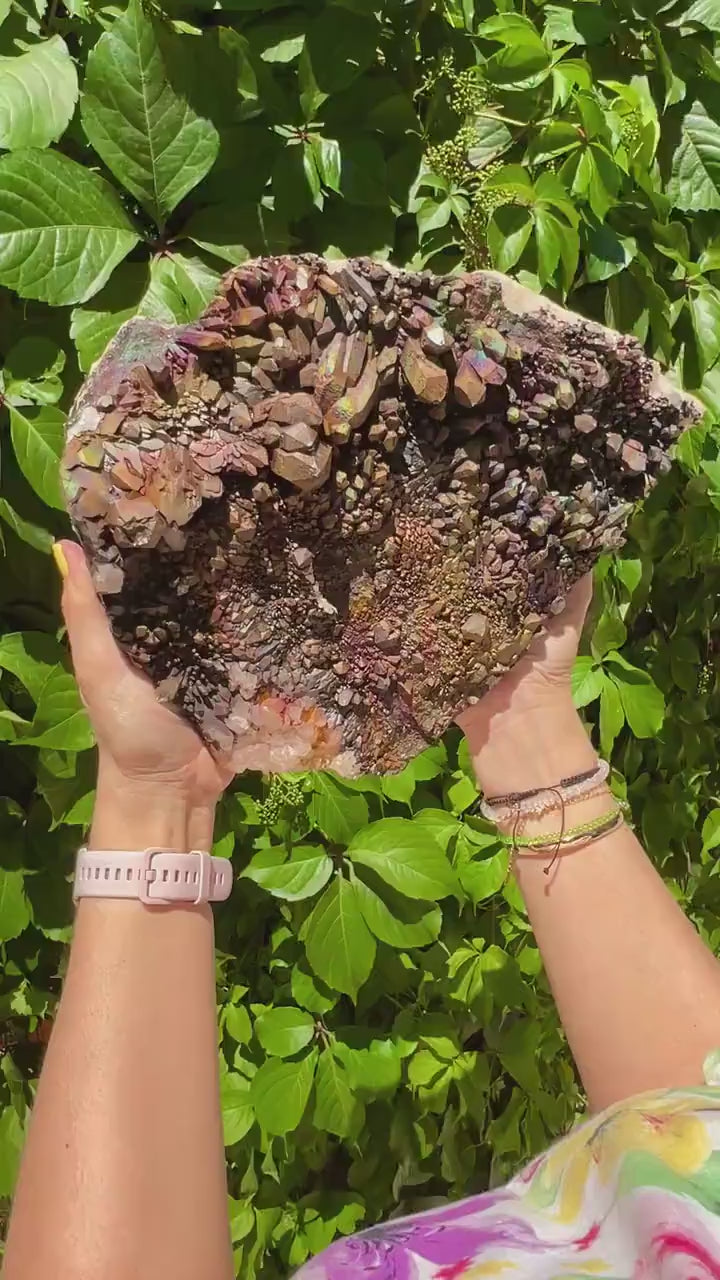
pixel 631 1194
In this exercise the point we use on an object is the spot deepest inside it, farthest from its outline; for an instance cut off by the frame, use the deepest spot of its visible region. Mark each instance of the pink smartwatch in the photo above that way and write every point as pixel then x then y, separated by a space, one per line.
pixel 157 877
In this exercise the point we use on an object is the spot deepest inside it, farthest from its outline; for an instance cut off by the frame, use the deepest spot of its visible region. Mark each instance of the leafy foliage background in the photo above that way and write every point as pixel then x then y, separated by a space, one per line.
pixel 387 1036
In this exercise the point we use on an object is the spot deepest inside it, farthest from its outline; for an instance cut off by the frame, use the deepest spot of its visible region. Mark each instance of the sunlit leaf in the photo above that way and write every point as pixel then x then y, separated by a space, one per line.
pixel 62 228
pixel 137 113
pixel 38 92
pixel 279 1092
pixel 339 945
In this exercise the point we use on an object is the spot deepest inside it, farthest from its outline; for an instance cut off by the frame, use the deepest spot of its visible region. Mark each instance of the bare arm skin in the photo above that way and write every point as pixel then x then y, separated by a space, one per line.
pixel 637 990
pixel 123 1175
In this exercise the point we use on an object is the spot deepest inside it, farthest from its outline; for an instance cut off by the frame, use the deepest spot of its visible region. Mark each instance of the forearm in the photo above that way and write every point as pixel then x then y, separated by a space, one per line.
pixel 637 990
pixel 123 1175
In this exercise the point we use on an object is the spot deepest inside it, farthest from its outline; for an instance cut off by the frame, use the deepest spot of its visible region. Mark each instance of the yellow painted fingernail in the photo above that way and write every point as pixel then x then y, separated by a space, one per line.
pixel 60 560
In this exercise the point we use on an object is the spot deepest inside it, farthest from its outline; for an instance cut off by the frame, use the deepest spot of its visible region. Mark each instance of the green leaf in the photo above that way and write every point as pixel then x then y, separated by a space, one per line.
pixel 425 1069
pixel 642 701
pixel 328 158
pixel 711 831
pixel 280 1091
pixel 14 909
pixel 432 215
pixel 518 61
pixel 509 28
pixel 187 284
pixel 586 682
pixel 238 1115
pixel 685 662
pixel 629 570
pixel 509 230
pixel 364 176
pixel 62 228
pixel 481 878
pixel 61 720
pixel 607 253
pixel 310 992
pixel 305 874
pixel 612 716
pixel 390 926
pixel 33 534
pixel 12 1139
pixel 137 114
pixel 490 139
pixel 242 1219
pixel 340 45
pixel 236 1021
pixel 690 447
pixel 174 287
pixel 218 230
pixel 284 1031
pixel 407 857
pixel 31 656
pixel 38 437
pixel 694 182
pixel 67 783
pixel 336 1109
pixel 312 175
pixel 279 40
pixel 38 92
pixel 338 943
pixel 374 1069
pixel 555 139
pixel 549 233
pixel 579 24
pixel 31 372
pixel 675 87
pixel 292 194
pixel 610 633
pixel 461 791
pixel 335 810
pixel 517 1047
pixel 704 304
pixel 706 12
pixel 139 289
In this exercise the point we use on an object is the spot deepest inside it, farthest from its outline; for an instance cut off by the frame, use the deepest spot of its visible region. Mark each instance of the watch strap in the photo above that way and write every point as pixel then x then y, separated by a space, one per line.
pixel 157 877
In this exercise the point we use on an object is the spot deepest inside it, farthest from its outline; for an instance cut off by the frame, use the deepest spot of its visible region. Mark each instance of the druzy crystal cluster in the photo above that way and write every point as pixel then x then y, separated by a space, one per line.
pixel 335 510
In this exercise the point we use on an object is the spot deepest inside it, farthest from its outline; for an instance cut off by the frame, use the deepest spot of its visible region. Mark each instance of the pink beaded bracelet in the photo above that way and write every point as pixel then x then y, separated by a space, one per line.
pixel 528 804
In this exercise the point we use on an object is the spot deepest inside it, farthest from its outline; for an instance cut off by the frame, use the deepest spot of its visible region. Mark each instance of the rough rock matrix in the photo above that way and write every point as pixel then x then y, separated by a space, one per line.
pixel 338 507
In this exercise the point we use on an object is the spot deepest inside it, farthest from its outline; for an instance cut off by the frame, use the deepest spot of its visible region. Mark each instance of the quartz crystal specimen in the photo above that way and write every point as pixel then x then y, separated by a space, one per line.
pixel 335 509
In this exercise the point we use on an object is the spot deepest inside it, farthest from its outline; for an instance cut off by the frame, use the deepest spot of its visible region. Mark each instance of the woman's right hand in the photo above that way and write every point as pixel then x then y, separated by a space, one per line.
pixel 150 759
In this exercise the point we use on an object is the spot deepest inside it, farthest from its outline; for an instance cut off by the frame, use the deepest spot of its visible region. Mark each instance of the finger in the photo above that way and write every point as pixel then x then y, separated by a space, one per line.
pixel 94 651
pixel 579 596
pixel 577 603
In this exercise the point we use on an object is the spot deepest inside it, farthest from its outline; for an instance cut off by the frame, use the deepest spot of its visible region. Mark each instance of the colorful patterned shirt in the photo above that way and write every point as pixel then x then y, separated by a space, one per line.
pixel 631 1194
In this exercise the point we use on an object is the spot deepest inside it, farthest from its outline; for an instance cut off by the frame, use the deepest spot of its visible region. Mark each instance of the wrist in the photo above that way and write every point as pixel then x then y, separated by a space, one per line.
pixel 529 739
pixel 141 813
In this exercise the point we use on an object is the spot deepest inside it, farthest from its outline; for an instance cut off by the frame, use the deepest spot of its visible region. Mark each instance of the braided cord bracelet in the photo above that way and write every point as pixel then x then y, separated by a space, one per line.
pixel 515 797
pixel 530 803
pixel 585 831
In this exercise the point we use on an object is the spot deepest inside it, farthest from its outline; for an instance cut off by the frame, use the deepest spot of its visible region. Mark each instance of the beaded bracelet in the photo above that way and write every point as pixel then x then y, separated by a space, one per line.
pixel 525 804
pixel 584 831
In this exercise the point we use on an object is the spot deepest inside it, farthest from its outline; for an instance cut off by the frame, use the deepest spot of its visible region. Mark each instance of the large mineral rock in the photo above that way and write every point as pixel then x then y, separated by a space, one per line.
pixel 338 507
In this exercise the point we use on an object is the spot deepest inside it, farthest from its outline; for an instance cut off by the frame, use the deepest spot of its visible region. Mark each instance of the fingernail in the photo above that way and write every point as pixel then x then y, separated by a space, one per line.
pixel 60 559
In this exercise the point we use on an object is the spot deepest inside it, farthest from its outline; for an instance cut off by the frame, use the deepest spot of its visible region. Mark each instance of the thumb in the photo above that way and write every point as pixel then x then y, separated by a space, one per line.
pixel 95 655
